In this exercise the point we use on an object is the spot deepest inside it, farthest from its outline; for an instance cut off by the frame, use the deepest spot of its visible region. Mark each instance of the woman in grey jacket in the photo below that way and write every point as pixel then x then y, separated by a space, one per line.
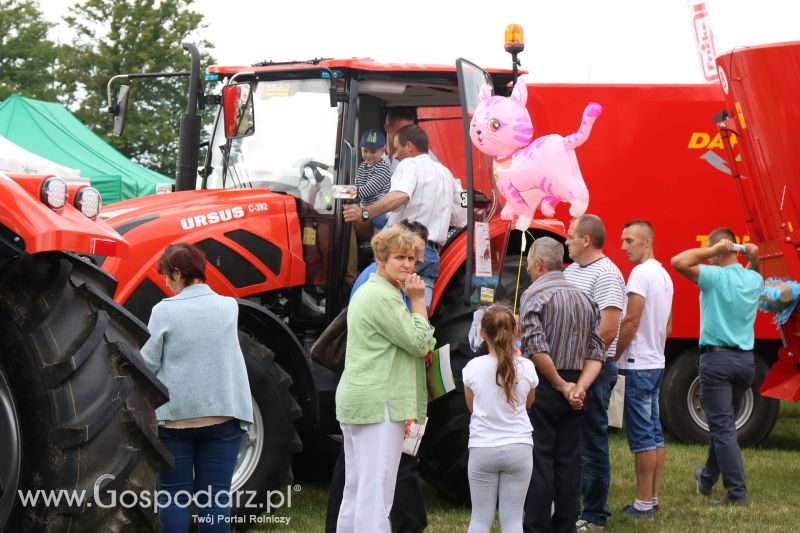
pixel 194 350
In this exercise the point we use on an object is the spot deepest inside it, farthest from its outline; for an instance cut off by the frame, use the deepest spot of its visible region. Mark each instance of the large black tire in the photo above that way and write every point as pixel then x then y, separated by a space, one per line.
pixel 265 460
pixel 508 291
pixel 11 458
pixel 85 399
pixel 444 450
pixel 683 416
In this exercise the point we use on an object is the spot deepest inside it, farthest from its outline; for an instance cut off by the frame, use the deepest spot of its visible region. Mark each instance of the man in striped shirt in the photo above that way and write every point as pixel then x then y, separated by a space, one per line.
pixel 594 274
pixel 558 330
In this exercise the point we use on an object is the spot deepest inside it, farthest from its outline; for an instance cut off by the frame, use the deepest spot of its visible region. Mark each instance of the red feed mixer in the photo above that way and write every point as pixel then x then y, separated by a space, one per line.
pixel 761 85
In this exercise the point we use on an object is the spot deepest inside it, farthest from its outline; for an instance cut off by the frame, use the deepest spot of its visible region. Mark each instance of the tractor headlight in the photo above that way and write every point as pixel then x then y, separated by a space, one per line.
pixel 88 201
pixel 54 193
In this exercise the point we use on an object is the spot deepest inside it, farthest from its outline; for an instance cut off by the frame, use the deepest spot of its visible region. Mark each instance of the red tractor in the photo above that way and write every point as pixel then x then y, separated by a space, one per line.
pixel 263 212
pixel 77 403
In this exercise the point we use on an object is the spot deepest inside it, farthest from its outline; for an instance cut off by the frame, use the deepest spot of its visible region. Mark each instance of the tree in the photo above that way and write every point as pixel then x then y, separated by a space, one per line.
pixel 27 57
pixel 131 36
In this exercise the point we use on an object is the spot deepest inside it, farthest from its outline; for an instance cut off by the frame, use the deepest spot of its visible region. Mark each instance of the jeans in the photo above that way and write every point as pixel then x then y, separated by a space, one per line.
pixel 595 465
pixel 429 270
pixel 724 379
pixel 556 429
pixel 642 423
pixel 379 222
pixel 204 461
pixel 499 475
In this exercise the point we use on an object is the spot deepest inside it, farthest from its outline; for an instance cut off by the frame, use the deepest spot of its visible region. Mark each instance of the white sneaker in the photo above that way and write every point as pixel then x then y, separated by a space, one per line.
pixel 585 525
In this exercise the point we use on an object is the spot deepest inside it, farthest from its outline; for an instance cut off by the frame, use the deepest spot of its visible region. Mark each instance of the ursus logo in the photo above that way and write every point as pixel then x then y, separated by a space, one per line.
pixel 214 217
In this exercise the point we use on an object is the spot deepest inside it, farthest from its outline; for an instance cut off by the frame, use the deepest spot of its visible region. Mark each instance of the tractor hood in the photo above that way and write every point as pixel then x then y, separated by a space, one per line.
pixel 191 204
pixel 250 238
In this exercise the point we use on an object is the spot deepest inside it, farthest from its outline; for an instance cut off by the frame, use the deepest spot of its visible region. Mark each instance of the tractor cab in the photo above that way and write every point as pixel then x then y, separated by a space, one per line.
pixel 295 129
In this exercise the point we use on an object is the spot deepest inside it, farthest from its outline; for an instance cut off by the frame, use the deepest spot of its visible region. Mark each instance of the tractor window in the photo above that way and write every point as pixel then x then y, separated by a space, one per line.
pixel 293 149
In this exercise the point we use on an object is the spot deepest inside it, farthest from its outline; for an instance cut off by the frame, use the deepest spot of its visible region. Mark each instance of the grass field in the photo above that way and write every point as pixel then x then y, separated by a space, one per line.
pixel 773 475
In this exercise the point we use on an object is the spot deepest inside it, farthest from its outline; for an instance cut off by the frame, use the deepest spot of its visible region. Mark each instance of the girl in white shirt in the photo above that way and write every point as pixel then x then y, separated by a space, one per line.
pixel 499 388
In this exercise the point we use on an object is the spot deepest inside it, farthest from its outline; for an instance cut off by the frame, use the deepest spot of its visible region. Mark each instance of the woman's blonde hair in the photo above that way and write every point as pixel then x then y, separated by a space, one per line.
pixel 396 239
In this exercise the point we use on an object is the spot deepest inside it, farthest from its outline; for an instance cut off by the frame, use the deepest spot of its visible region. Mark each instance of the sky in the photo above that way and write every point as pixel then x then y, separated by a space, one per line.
pixel 566 41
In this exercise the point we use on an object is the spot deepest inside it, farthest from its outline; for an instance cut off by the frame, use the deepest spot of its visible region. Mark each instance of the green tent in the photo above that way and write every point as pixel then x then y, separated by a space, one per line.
pixel 50 131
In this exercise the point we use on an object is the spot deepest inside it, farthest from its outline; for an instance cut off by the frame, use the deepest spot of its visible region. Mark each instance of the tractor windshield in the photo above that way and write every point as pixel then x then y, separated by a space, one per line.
pixel 293 148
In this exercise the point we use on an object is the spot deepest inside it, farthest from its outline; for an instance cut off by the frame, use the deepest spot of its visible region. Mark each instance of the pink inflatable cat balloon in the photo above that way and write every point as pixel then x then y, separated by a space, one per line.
pixel 530 173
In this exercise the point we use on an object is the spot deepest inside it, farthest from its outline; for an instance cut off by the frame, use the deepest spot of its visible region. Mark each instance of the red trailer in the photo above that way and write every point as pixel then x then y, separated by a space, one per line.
pixel 654 153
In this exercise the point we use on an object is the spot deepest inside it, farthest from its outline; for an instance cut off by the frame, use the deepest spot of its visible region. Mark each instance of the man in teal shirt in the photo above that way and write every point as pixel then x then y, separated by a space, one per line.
pixel 728 302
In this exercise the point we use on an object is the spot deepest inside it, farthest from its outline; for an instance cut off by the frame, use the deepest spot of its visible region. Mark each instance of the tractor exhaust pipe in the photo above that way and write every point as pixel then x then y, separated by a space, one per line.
pixel 189 140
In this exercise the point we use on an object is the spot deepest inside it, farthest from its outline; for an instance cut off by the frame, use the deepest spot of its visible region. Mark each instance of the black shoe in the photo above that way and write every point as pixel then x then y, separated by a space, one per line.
pixel 701 490
pixel 725 500
pixel 636 513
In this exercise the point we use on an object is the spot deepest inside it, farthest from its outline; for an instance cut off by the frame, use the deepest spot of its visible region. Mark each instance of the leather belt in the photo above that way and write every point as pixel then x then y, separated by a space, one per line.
pixel 707 349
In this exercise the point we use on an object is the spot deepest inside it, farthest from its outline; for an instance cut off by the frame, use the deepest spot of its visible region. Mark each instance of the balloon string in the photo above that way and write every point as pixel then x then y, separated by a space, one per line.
pixel 519 273
pixel 522 246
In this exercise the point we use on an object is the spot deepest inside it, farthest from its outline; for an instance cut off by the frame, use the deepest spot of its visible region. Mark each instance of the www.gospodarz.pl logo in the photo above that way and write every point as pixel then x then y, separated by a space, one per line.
pixel 109 498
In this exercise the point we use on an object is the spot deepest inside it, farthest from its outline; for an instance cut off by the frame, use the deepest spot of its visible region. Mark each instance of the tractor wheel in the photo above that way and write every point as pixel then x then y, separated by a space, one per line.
pixel 507 291
pixel 265 459
pixel 444 450
pixel 83 398
pixel 684 417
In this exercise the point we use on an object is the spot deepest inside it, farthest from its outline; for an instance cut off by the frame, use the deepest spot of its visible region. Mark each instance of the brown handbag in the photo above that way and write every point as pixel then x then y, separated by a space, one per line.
pixel 329 349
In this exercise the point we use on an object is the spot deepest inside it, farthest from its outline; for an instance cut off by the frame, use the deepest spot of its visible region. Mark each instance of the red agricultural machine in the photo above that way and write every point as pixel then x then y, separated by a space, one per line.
pixel 760 85
pixel 77 402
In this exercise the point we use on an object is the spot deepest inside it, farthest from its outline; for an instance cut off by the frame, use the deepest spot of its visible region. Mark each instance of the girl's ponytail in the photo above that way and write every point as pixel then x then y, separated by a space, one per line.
pixel 499 326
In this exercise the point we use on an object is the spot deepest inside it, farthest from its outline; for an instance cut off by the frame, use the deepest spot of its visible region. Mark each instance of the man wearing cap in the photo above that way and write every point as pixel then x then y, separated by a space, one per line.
pixel 374 175
pixel 421 191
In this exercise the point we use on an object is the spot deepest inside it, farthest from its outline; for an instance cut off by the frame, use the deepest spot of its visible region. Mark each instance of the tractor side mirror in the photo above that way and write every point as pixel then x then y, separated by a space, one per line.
pixel 120 111
pixel 237 108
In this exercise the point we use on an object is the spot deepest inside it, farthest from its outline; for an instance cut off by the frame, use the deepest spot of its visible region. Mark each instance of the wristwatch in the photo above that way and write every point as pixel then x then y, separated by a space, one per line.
pixel 365 214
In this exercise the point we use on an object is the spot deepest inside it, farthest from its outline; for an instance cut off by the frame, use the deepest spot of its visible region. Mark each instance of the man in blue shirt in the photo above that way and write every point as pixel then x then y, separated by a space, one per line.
pixel 728 301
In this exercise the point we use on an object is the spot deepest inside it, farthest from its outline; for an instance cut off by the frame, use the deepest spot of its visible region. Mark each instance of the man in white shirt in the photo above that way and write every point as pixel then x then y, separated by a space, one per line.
pixel 640 354
pixel 423 191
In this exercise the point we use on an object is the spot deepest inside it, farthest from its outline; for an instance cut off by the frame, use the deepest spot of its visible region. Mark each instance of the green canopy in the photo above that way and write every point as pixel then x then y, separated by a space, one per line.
pixel 49 130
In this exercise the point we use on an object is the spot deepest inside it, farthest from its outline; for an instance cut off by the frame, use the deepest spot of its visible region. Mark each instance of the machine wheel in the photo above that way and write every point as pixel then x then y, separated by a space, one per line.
pixel 265 459
pixel 84 398
pixel 508 281
pixel 444 450
pixel 11 458
pixel 684 417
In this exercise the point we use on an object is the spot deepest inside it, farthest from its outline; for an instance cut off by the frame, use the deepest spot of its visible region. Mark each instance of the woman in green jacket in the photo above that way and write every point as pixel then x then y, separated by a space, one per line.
pixel 383 383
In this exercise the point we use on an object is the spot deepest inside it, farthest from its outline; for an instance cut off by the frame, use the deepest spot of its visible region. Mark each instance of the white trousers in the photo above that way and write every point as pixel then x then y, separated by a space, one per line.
pixel 371 457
